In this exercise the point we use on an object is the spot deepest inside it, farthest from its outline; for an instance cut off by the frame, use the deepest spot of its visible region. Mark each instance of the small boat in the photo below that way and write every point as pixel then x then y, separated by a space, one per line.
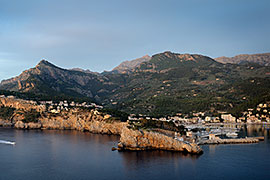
pixel 232 134
pixel 7 142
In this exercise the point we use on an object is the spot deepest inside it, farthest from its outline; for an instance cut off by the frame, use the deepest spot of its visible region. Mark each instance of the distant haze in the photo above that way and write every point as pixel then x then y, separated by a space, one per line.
pixel 98 35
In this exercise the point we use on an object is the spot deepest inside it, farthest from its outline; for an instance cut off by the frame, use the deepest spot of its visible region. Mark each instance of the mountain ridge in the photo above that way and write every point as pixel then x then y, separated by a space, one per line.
pixel 166 83
pixel 127 66
pixel 260 58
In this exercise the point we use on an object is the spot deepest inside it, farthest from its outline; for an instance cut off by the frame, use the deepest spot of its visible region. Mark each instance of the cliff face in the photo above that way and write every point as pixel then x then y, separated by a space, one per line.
pixel 144 140
pixel 75 121
pixel 20 104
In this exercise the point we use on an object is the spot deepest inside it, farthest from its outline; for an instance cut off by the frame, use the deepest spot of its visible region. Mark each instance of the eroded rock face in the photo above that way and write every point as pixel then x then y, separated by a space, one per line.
pixel 144 140
pixel 21 104
pixel 5 122
pixel 83 122
pixel 94 126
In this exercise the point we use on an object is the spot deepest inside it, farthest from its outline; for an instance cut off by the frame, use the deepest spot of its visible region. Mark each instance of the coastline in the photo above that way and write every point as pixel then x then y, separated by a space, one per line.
pixel 133 140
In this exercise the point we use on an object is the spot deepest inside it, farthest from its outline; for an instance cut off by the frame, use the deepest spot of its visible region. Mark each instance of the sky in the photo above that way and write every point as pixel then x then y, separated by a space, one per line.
pixel 100 34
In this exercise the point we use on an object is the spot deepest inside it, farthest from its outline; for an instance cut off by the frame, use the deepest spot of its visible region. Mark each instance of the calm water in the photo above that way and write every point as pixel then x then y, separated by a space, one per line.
pixel 78 155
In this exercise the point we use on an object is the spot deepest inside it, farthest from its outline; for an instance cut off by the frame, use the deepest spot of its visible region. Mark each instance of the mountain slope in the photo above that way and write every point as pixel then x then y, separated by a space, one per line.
pixel 127 66
pixel 47 78
pixel 261 59
pixel 171 83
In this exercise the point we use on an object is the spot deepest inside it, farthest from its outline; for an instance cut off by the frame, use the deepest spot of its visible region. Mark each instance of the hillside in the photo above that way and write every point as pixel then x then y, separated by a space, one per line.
pixel 167 83
pixel 171 83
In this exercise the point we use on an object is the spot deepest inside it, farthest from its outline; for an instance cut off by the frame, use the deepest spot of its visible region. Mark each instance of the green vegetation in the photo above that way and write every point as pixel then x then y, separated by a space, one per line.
pixel 116 114
pixel 31 116
pixel 46 97
pixel 6 112
pixel 150 124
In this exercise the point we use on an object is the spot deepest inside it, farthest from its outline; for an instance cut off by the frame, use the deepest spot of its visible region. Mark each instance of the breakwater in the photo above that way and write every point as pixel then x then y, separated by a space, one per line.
pixel 230 141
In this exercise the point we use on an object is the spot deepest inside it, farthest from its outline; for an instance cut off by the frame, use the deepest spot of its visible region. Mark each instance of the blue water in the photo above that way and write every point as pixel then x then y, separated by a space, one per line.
pixel 80 155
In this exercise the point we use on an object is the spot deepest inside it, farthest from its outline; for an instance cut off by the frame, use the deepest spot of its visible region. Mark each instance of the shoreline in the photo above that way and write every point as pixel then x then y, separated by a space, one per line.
pixel 133 140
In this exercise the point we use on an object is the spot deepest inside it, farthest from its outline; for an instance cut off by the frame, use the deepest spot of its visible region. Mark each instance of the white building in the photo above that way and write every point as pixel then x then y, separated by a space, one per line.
pixel 228 118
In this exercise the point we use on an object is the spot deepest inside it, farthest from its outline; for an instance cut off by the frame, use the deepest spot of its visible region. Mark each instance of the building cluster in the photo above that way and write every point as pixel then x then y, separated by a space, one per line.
pixel 259 115
pixel 55 107
pixel 50 106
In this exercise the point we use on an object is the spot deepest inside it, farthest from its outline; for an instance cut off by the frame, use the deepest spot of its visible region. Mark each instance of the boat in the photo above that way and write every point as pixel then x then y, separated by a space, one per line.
pixel 7 142
pixel 231 134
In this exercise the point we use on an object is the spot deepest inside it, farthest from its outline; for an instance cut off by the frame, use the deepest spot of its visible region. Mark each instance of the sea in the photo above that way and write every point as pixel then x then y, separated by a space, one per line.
pixel 64 154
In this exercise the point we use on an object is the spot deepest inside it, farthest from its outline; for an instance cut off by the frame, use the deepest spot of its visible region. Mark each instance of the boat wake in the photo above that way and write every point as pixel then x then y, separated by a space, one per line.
pixel 7 142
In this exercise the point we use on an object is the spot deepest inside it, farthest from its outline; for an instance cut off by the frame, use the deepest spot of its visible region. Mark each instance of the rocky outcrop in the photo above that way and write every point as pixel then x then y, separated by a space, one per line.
pixel 20 104
pixel 147 140
pixel 94 126
pixel 87 121
pixel 5 122
pixel 30 125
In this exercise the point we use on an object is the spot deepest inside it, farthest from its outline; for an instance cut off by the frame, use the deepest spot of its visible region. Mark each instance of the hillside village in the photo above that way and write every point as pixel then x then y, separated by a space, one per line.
pixel 48 106
pixel 260 114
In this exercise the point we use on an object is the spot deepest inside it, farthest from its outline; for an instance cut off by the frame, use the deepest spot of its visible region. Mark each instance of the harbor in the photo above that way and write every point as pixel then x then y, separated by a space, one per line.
pixel 211 134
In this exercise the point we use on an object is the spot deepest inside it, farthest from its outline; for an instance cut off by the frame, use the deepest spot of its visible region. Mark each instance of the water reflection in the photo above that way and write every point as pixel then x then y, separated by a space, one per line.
pixel 137 159
pixel 255 130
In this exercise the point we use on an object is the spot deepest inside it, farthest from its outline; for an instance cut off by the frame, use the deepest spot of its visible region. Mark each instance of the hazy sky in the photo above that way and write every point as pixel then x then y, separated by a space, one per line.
pixel 99 34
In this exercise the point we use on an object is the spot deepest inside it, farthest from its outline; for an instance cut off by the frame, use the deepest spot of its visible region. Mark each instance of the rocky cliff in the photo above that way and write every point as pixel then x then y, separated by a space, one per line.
pixel 73 120
pixel 20 104
pixel 147 140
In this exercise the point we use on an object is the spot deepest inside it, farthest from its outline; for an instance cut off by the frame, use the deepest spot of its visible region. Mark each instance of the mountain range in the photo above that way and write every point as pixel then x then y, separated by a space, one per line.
pixel 164 84
pixel 262 59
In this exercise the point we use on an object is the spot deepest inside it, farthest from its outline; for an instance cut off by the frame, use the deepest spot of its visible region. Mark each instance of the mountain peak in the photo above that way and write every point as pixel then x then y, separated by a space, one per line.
pixel 127 66
pixel 44 62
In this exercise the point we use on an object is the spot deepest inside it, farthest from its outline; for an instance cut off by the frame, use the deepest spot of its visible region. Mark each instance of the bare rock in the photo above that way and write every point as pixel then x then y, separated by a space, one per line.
pixel 143 140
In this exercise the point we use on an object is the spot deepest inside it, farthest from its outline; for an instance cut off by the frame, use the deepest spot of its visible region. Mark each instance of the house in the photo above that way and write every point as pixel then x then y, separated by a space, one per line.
pixel 212 136
pixel 252 119
pixel 208 118
pixel 215 120
pixel 55 111
pixel 189 133
pixel 228 118
pixel 107 116
pixel 241 119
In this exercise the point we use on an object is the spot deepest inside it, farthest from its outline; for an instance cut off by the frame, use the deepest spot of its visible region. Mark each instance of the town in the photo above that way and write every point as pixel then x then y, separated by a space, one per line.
pixel 260 114
pixel 52 107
